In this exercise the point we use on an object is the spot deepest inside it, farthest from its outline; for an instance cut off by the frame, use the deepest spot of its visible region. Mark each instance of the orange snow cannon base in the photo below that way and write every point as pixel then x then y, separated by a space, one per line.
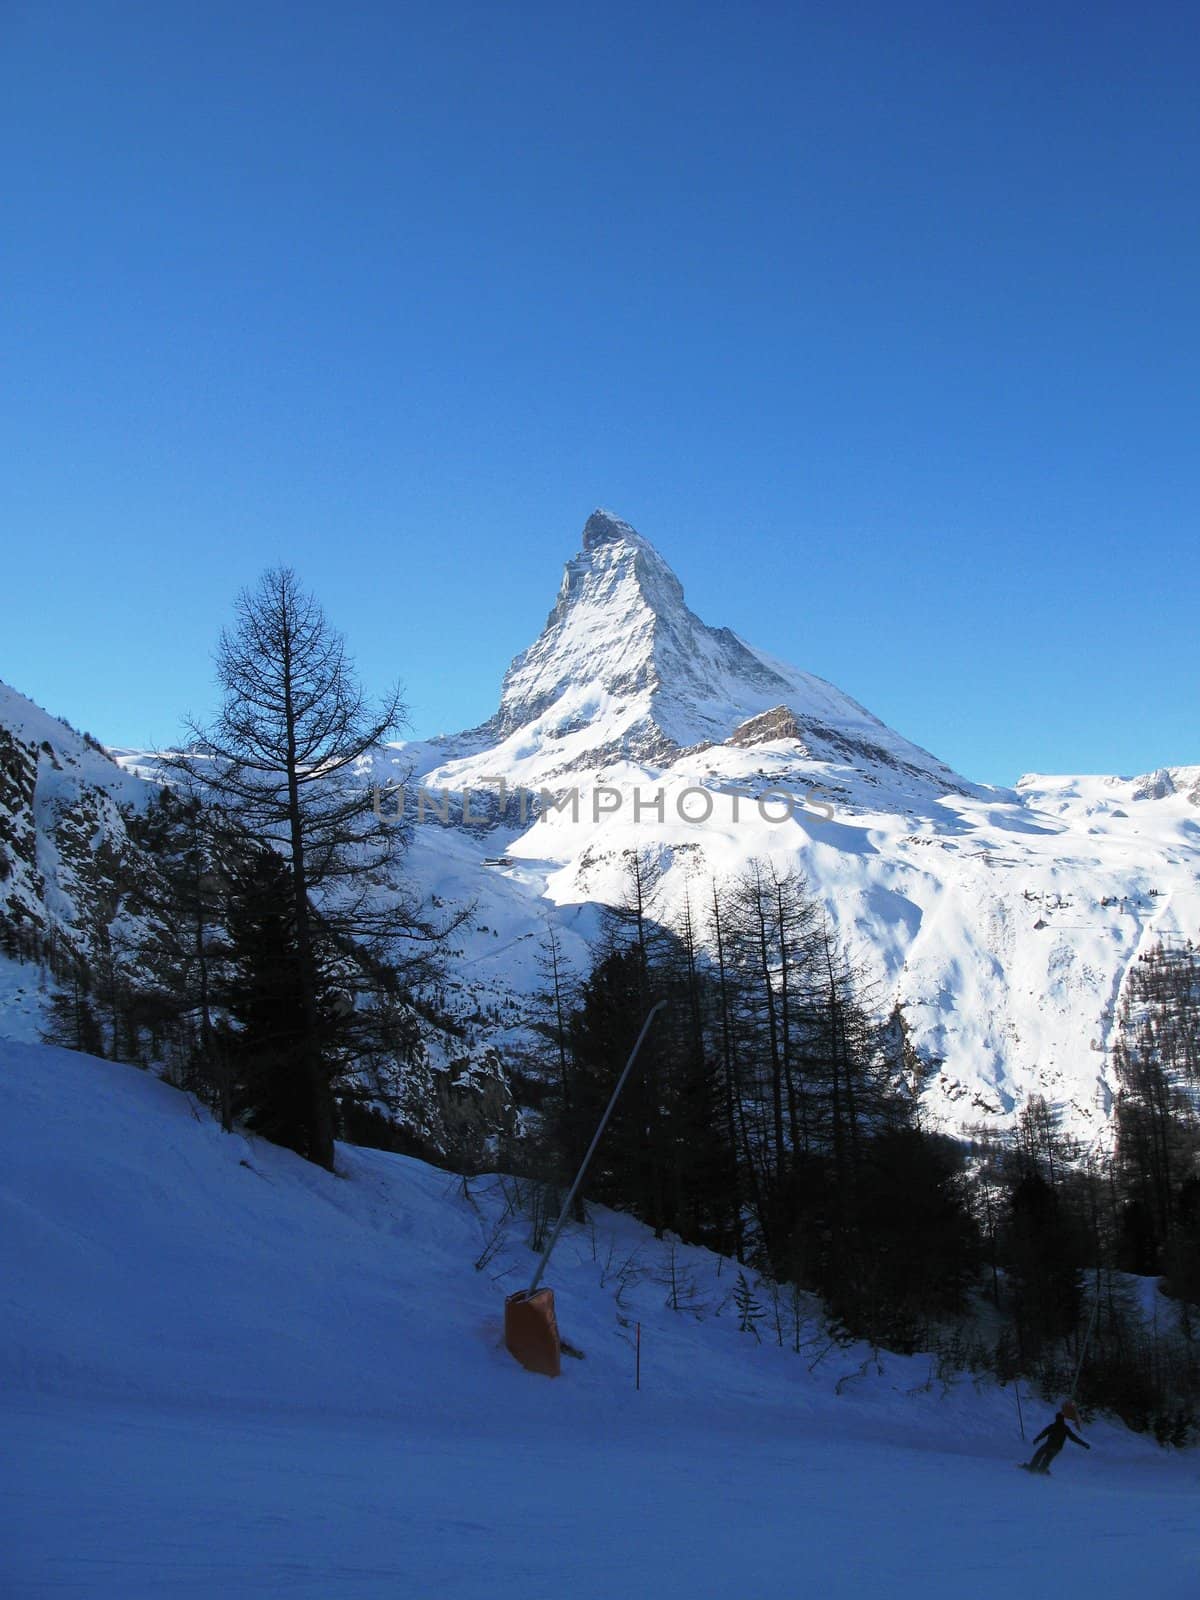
pixel 531 1331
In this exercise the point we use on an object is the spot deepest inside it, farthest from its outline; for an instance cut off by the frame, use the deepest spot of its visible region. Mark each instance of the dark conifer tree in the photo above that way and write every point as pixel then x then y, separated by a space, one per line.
pixel 914 1249
pixel 71 1017
pixel 1157 1065
pixel 626 1168
pixel 281 755
pixel 1043 1256
pixel 263 997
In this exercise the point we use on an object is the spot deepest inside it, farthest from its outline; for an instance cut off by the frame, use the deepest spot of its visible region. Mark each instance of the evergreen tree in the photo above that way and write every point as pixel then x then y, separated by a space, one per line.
pixel 915 1249
pixel 1157 1065
pixel 628 1167
pixel 281 755
pixel 263 998
pixel 71 1017
pixel 1043 1254
pixel 749 1308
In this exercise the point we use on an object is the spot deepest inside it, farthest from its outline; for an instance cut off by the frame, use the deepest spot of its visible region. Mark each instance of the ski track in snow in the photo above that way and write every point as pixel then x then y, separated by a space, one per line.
pixel 226 1373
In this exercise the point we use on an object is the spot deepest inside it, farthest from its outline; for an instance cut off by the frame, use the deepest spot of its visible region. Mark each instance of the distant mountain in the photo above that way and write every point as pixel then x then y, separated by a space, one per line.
pixel 1002 922
pixel 624 669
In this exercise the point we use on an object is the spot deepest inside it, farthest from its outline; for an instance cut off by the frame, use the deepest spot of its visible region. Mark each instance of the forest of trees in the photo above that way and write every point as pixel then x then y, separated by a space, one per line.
pixel 776 1118
pixel 771 1117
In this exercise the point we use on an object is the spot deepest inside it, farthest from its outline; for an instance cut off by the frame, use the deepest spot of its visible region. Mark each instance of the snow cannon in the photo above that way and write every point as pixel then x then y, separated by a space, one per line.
pixel 530 1326
pixel 531 1331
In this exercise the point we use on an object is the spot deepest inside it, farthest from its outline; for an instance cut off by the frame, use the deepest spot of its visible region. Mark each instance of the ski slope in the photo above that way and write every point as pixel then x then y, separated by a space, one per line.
pixel 226 1373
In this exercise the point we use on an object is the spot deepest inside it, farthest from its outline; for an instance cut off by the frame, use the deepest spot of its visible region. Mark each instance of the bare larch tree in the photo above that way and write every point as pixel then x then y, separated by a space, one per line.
pixel 281 753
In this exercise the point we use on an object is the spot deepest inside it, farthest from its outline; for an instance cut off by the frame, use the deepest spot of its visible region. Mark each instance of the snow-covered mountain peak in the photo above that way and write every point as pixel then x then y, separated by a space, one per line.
pixel 605 527
pixel 617 605
pixel 624 669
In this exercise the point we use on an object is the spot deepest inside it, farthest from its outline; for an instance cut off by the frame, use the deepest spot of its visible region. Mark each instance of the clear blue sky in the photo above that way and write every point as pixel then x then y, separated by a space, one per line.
pixel 880 320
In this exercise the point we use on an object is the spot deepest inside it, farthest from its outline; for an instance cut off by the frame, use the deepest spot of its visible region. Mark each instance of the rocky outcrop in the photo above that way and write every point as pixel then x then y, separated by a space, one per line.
pixel 778 723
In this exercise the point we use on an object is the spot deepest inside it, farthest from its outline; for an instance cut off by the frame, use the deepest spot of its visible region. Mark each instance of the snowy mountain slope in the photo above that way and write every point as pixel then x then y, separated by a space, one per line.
pixel 225 1371
pixel 1004 930
pixel 82 891
pixel 63 829
pixel 623 669
pixel 1002 921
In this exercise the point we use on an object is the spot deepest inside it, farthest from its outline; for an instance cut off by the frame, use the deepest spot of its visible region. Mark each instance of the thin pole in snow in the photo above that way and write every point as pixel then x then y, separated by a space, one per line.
pixel 637 1344
pixel 562 1216
pixel 1088 1339
pixel 1020 1418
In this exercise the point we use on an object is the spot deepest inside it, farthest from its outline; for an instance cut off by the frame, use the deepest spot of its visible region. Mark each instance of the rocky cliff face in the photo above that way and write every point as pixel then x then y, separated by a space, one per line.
pixel 65 842
pixel 620 626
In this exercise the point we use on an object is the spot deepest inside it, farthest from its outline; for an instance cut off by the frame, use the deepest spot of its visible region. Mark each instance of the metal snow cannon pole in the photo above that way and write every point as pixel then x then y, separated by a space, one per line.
pixel 530 1326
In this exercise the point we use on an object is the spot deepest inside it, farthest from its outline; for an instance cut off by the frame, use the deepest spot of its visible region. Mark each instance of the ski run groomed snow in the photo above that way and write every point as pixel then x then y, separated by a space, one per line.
pixel 225 1373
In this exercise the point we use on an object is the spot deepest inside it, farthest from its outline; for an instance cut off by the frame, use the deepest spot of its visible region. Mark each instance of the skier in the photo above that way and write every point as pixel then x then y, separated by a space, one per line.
pixel 1056 1434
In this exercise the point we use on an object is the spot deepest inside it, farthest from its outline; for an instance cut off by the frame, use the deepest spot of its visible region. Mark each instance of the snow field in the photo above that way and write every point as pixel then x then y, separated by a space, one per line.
pixel 223 1372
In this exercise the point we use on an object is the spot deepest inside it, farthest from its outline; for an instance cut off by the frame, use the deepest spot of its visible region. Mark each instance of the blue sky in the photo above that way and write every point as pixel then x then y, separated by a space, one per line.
pixel 880 321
